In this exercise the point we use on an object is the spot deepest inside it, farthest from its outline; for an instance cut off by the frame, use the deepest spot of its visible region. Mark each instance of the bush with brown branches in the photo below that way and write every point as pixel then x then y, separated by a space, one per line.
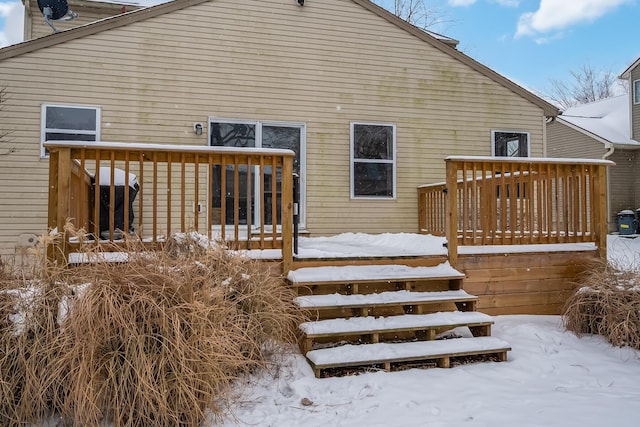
pixel 607 303
pixel 156 340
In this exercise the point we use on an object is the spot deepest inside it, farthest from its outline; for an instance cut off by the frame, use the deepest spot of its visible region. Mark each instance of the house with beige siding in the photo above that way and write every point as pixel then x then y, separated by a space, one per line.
pixel 370 105
pixel 606 129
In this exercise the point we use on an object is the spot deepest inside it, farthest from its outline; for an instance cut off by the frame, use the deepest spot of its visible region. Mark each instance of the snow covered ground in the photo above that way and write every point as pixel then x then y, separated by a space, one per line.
pixel 551 378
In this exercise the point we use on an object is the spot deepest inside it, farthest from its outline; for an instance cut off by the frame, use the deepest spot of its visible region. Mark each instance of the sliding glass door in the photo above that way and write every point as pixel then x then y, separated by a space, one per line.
pixel 231 133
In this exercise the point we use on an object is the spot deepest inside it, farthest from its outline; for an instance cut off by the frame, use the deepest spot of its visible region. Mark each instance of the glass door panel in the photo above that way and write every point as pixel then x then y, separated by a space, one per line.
pixel 225 134
pixel 274 136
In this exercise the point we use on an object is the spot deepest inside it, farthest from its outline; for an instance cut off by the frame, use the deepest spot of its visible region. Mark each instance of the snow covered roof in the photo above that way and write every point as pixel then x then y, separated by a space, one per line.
pixel 606 120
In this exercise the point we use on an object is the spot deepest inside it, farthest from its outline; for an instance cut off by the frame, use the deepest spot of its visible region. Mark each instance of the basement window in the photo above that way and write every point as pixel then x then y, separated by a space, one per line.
pixel 373 160
pixel 69 123
pixel 509 144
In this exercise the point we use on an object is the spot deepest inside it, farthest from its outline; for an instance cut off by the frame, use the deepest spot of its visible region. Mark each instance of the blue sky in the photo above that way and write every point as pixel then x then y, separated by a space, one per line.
pixel 528 41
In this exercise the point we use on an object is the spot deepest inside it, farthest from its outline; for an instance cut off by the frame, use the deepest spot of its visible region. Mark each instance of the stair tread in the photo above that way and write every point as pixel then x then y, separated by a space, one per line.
pixel 363 273
pixel 350 355
pixel 370 324
pixel 384 298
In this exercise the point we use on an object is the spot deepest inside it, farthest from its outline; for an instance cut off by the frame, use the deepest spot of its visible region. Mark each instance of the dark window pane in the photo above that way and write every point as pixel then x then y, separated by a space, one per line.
pixel 71 118
pixel 373 179
pixel 283 137
pixel 233 135
pixel 511 144
pixel 58 136
pixel 372 142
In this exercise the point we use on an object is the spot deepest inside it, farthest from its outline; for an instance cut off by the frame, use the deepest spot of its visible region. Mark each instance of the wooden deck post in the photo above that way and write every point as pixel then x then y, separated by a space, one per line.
pixel 601 227
pixel 422 211
pixel 59 204
pixel 451 209
pixel 287 214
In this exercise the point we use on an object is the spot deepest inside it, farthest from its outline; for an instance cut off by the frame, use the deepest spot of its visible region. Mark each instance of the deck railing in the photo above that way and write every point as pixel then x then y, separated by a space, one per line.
pixel 171 188
pixel 494 201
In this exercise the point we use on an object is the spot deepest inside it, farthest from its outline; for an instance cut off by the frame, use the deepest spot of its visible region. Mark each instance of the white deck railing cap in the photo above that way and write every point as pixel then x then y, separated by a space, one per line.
pixel 132 146
pixel 530 160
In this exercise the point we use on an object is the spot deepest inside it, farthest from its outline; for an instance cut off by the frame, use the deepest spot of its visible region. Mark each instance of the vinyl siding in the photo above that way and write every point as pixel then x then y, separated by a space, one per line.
pixel 635 108
pixel 326 64
pixel 623 183
pixel 564 141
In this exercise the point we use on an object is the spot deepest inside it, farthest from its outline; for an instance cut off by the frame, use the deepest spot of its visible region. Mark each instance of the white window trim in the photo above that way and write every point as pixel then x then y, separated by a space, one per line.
pixel 44 129
pixel 493 140
pixel 302 205
pixel 352 161
pixel 636 92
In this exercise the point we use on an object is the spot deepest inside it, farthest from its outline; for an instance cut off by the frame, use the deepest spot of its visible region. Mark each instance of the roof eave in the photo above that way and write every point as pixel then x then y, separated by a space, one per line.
pixel 626 73
pixel 95 27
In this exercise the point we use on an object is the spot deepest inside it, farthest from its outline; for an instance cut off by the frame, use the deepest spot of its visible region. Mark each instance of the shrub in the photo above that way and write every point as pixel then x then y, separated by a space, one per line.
pixel 608 304
pixel 156 340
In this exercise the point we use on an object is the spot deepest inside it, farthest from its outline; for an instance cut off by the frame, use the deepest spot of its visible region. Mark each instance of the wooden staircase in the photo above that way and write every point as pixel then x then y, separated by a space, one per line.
pixel 388 317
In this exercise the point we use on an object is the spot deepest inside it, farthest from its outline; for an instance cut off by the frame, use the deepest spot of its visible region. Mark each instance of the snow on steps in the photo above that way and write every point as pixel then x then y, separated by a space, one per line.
pixel 384 298
pixel 440 351
pixel 362 273
pixel 360 325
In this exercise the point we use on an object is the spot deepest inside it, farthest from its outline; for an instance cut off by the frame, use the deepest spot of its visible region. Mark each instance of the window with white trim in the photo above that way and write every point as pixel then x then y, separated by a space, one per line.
pixel 373 160
pixel 510 144
pixel 636 91
pixel 69 123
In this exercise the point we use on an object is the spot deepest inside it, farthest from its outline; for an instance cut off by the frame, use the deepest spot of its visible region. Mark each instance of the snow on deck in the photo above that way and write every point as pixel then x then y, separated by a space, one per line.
pixel 348 245
pixel 393 297
pixel 405 321
pixel 365 353
pixel 370 272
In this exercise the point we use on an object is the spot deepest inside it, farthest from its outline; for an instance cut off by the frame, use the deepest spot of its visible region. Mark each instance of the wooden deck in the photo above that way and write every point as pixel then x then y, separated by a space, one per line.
pixel 519 232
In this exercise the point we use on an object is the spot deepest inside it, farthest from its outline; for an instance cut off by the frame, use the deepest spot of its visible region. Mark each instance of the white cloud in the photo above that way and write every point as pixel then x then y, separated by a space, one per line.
pixel 460 2
pixel 13 14
pixel 554 15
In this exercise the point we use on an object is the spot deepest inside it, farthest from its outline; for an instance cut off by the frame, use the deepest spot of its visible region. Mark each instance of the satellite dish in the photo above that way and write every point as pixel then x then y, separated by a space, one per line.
pixel 56 10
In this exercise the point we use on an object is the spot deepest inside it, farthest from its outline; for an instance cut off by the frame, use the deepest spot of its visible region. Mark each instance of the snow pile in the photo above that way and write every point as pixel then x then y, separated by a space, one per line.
pixel 551 378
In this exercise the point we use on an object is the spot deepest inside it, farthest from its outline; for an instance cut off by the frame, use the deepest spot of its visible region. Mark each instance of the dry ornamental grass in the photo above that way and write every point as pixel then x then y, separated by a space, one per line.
pixel 608 304
pixel 155 341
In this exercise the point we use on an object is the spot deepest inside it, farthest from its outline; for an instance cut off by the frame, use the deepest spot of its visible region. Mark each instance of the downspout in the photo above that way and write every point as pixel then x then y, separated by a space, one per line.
pixel 605 156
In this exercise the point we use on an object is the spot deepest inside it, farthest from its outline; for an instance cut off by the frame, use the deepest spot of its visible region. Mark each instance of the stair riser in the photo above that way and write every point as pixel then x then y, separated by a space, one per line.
pixel 431 285
pixel 394 310
pixel 418 334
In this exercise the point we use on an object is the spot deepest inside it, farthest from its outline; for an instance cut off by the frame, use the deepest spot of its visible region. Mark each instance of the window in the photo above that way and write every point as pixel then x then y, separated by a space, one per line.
pixel 509 144
pixel 636 91
pixel 373 160
pixel 69 123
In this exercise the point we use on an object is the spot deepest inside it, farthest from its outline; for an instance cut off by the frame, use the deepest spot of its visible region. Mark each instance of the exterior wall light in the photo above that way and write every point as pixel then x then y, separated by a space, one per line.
pixel 301 2
pixel 197 128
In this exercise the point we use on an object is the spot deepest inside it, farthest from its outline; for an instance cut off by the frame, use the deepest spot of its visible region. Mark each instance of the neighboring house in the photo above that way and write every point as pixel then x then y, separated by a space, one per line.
pixel 324 79
pixel 609 128
pixel 88 11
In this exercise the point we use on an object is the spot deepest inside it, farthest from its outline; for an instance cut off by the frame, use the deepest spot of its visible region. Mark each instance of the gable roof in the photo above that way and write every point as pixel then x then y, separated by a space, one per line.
pixel 625 74
pixel 606 120
pixel 441 43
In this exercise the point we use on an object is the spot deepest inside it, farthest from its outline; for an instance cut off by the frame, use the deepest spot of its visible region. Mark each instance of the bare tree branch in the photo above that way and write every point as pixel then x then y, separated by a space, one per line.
pixel 415 12
pixel 586 84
